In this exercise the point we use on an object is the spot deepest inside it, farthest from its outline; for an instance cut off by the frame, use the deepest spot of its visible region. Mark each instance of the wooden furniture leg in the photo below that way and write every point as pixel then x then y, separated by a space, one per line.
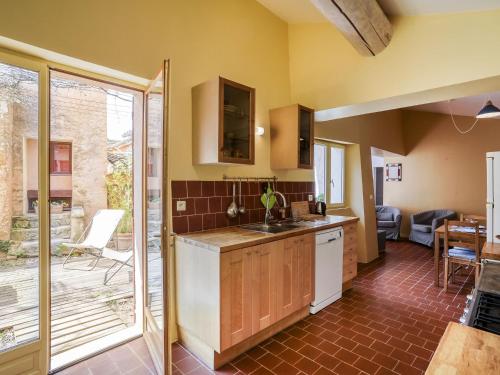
pixel 436 258
pixel 445 274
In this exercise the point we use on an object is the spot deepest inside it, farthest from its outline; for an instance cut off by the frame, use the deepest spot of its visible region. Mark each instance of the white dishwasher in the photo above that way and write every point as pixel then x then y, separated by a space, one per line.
pixel 328 270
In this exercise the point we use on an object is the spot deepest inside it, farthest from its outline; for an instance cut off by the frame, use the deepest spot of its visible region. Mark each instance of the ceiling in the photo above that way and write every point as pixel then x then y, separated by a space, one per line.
pixel 301 11
pixel 468 106
pixel 294 11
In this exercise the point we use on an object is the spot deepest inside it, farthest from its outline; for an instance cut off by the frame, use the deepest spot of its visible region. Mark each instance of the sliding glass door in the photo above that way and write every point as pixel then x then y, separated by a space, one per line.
pixel 156 224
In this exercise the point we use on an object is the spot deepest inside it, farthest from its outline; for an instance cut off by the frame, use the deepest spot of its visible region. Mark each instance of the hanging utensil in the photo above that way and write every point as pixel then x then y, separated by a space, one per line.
pixel 241 209
pixel 232 210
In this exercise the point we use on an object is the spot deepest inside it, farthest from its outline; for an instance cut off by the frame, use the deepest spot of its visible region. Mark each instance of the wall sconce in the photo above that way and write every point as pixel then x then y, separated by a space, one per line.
pixel 259 130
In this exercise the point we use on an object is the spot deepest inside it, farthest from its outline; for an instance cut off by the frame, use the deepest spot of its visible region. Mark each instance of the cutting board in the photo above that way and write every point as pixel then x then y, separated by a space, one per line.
pixel 300 209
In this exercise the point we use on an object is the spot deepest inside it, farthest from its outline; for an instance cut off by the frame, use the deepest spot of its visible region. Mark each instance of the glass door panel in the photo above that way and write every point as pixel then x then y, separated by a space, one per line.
pixel 19 197
pixel 305 141
pixel 156 258
pixel 91 174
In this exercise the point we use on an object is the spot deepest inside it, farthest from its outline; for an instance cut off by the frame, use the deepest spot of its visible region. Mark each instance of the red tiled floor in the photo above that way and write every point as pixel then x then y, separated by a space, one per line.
pixel 390 322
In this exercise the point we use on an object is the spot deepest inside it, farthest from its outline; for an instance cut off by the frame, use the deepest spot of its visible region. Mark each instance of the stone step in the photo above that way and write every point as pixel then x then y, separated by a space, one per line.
pixel 31 234
pixel 31 220
pixel 154 215
pixel 29 249
pixel 154 225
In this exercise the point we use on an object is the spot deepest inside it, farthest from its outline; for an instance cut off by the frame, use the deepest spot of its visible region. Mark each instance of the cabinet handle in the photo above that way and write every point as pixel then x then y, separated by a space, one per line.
pixel 332 239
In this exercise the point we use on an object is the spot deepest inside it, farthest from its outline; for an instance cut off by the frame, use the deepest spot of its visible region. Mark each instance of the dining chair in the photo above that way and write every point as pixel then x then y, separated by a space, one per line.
pixel 461 247
pixel 471 218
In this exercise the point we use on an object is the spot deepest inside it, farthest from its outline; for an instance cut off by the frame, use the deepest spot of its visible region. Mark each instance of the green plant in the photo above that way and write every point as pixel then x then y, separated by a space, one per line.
pixel 60 250
pixel 5 246
pixel 119 190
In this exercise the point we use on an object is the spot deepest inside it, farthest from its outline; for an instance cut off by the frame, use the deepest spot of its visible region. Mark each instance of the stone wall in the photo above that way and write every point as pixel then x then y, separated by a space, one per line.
pixel 79 116
pixel 6 124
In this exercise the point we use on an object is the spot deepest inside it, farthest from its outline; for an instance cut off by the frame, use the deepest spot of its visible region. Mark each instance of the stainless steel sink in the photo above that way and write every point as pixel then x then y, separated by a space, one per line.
pixel 271 228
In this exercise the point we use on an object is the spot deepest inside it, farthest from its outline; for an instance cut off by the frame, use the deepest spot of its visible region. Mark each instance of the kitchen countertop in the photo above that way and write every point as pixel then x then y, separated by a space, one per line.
pixel 232 238
pixel 466 350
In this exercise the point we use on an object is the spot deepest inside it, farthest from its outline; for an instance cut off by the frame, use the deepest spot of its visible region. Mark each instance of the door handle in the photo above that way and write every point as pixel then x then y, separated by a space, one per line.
pixel 332 239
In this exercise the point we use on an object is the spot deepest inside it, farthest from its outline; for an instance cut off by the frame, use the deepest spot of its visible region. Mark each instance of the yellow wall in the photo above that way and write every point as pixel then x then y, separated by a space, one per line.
pixel 240 40
pixel 442 169
pixel 426 52
pixel 382 130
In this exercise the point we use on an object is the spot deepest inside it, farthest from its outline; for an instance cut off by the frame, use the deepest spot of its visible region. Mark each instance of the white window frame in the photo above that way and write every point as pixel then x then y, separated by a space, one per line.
pixel 328 176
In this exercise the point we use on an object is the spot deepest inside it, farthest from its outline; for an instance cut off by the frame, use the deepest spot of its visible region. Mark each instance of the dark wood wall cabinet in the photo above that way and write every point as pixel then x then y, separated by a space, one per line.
pixel 292 137
pixel 223 123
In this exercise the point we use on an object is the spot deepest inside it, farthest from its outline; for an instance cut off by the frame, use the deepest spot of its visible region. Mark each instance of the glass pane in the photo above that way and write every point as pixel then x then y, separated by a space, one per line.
pixel 320 171
pixel 154 130
pixel 236 123
pixel 91 213
pixel 19 235
pixel 337 175
pixel 305 137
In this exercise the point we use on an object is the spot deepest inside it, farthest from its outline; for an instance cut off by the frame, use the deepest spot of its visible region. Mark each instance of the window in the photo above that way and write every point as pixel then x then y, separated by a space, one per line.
pixel 60 158
pixel 329 172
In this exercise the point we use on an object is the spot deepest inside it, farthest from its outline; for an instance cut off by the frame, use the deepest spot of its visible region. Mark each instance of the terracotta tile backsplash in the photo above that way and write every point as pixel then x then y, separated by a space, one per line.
pixel 207 201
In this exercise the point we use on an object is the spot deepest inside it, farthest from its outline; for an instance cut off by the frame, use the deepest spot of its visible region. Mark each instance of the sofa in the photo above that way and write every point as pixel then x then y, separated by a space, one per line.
pixel 389 220
pixel 425 223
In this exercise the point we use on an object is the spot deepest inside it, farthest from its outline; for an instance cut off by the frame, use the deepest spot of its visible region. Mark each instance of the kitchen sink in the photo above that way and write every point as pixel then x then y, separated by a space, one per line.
pixel 271 228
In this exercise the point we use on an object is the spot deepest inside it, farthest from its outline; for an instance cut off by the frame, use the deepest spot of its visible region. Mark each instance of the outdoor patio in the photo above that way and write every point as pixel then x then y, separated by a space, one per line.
pixel 83 308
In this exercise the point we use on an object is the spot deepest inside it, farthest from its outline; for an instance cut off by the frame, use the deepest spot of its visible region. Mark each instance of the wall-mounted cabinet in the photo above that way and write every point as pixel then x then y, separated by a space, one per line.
pixel 292 137
pixel 223 123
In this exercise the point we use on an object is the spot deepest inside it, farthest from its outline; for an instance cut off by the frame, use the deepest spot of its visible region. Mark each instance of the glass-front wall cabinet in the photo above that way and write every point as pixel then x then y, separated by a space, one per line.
pixel 227 109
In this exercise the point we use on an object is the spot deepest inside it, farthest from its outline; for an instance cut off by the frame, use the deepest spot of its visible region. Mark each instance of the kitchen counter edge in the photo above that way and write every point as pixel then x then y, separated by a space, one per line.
pixel 260 237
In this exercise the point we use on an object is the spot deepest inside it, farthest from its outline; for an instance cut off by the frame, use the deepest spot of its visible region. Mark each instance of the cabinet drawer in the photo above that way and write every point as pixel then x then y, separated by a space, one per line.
pixel 350 239
pixel 349 258
pixel 350 228
pixel 349 271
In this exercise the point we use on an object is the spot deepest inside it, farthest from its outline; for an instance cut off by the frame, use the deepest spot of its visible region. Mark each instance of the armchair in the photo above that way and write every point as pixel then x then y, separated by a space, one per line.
pixel 389 220
pixel 423 225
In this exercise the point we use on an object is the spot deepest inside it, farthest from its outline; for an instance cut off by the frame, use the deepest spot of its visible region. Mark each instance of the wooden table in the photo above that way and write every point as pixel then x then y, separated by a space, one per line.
pixel 438 233
pixel 491 250
pixel 465 350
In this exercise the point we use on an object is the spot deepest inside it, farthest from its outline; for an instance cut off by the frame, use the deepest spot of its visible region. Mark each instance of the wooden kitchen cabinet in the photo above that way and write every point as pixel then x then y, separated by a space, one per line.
pixel 223 114
pixel 236 296
pixel 288 277
pixel 306 269
pixel 264 285
pixel 350 260
pixel 295 274
pixel 292 137
pixel 228 302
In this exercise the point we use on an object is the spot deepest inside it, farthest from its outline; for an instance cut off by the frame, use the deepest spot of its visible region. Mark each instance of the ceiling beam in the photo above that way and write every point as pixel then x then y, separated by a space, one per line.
pixel 362 22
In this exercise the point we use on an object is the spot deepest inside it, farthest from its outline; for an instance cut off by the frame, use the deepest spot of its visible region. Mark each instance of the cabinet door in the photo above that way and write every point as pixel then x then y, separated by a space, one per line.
pixel 263 286
pixel 288 280
pixel 306 137
pixel 306 271
pixel 237 123
pixel 236 297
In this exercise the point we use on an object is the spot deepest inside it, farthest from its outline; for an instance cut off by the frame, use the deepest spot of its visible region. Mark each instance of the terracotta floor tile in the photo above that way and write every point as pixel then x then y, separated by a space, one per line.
pixel 307 366
pixel 345 369
pixel 269 361
pixel 367 366
pixel 290 356
pixel 286 369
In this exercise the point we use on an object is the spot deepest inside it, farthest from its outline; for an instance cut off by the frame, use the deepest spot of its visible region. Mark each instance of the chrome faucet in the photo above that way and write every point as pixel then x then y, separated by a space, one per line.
pixel 268 210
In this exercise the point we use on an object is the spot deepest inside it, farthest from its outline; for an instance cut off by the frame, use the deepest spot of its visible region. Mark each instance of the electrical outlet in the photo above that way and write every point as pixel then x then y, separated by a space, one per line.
pixel 310 197
pixel 181 205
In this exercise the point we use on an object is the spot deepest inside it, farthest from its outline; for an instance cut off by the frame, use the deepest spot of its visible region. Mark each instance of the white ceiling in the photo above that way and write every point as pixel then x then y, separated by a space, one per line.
pixel 301 11
pixel 294 11
pixel 468 106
